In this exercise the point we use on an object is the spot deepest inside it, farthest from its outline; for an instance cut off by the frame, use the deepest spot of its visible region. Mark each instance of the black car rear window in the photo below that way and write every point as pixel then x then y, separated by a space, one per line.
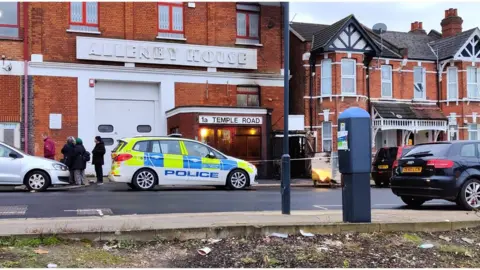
pixel 436 149
pixel 387 153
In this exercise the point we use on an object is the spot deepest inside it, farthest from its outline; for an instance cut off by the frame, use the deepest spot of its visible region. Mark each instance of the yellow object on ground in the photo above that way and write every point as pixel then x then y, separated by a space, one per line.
pixel 321 175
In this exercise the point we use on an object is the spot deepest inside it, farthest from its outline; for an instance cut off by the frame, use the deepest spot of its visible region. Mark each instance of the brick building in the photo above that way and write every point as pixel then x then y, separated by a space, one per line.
pixel 418 86
pixel 211 71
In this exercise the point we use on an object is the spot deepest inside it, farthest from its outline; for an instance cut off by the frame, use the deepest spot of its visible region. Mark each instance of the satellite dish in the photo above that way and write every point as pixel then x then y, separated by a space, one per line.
pixel 379 28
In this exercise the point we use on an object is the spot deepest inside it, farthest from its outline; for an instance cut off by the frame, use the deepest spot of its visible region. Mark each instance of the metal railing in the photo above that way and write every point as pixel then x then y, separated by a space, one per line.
pixel 409 124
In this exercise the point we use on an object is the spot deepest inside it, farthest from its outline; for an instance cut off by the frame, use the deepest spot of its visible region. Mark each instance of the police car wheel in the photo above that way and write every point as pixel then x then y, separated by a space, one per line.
pixel 237 179
pixel 144 180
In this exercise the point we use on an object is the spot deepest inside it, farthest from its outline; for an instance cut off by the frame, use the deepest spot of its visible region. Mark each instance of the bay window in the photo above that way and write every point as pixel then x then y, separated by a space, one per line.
pixel 327 137
pixel 84 16
pixel 349 80
pixel 170 20
pixel 248 24
pixel 326 74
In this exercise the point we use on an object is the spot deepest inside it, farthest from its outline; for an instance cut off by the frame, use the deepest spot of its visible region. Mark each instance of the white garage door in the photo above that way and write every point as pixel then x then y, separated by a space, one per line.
pixel 124 110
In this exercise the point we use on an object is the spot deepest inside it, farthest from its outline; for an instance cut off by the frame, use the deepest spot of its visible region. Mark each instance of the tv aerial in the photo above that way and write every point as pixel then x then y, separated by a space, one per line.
pixel 379 28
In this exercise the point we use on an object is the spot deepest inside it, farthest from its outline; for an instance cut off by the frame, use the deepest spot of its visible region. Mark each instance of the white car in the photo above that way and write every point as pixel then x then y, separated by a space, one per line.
pixel 18 168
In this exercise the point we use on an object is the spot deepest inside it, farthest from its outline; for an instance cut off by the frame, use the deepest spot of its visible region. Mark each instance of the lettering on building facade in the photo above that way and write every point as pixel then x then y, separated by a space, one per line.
pixel 165 53
pixel 230 120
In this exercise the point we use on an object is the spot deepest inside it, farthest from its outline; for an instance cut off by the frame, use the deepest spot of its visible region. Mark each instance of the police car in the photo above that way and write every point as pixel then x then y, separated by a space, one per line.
pixel 144 162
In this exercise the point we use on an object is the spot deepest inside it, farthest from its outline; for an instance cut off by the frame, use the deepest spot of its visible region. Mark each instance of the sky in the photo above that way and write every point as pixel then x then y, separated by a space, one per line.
pixel 398 16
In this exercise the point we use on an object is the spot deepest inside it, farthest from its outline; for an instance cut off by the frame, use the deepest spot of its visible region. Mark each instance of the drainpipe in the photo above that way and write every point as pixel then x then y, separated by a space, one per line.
pixel 312 69
pixel 366 62
pixel 25 74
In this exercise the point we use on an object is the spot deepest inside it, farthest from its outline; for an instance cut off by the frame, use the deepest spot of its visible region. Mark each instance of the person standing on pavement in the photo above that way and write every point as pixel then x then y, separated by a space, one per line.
pixel 79 162
pixel 68 152
pixel 97 158
pixel 48 147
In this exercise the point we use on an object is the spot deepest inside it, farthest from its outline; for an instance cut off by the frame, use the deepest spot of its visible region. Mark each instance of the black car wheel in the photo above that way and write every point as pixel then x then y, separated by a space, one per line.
pixel 413 202
pixel 469 197
pixel 378 182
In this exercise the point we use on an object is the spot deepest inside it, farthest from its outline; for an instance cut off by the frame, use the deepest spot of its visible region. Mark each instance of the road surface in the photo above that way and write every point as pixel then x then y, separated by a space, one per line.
pixel 117 199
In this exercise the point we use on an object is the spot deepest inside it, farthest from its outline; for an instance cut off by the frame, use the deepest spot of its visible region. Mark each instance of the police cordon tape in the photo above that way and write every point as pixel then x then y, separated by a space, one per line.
pixel 328 159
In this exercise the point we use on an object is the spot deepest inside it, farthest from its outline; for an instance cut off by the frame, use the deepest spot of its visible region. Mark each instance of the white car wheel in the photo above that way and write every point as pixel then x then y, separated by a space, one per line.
pixel 37 181
pixel 237 179
pixel 144 180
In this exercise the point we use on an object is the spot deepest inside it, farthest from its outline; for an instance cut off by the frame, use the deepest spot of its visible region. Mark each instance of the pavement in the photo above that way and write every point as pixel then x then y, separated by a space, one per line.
pixel 114 199
pixel 274 219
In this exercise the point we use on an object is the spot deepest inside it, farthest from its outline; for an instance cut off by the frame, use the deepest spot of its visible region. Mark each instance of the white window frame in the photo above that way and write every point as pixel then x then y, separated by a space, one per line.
pixel 474 83
pixel 472 129
pixel 390 82
pixel 326 63
pixel 424 85
pixel 452 87
pixel 354 76
pixel 324 124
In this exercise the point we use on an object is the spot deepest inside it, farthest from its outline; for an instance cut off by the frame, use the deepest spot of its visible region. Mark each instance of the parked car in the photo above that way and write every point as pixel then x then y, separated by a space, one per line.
pixel 442 170
pixel 18 168
pixel 384 162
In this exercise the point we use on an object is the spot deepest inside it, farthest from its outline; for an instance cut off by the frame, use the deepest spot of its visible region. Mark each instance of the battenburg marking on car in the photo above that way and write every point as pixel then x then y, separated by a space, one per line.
pixel 192 174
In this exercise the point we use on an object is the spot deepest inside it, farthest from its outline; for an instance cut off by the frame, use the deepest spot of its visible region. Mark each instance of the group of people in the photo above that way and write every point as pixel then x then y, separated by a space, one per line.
pixel 75 156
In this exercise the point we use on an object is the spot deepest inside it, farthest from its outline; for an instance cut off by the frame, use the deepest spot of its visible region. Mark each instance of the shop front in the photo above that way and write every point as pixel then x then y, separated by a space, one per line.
pixel 238 132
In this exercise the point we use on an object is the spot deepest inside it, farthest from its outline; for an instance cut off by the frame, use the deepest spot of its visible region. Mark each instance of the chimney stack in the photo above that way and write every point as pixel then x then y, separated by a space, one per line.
pixel 417 28
pixel 451 24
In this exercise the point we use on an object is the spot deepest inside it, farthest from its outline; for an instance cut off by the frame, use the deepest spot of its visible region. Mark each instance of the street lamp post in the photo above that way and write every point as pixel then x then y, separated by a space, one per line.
pixel 285 187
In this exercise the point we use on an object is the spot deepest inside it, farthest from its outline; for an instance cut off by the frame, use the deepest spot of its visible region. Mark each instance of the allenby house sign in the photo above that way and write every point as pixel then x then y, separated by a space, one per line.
pixel 131 51
pixel 230 120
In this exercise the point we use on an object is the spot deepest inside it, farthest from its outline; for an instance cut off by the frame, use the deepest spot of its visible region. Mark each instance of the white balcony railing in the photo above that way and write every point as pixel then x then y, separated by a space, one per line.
pixel 410 124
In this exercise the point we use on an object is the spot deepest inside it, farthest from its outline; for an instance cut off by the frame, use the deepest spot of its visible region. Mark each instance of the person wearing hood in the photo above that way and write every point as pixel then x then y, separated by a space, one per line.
pixel 98 153
pixel 68 152
pixel 79 162
pixel 48 147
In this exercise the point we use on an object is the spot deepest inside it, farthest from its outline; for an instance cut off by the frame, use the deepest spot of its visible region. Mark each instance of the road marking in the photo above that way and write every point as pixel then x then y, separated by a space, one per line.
pixel 92 212
pixel 318 206
pixel 14 210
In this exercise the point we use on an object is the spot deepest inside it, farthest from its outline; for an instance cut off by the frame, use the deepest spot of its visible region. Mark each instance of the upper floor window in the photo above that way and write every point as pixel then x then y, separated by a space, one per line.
pixel 387 81
pixel 419 83
pixel 248 24
pixel 84 16
pixel 170 20
pixel 473 82
pixel 326 77
pixel 9 19
pixel 452 83
pixel 248 96
pixel 349 79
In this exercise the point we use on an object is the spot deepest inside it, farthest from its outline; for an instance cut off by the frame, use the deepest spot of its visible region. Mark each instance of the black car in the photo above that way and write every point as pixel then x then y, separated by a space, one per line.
pixel 443 170
pixel 384 161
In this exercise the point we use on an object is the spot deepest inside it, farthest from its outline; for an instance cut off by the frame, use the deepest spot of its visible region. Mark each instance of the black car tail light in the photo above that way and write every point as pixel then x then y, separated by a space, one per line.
pixel 440 163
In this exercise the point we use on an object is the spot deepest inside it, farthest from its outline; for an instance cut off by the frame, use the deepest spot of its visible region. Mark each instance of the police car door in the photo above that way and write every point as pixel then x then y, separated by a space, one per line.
pixel 203 169
pixel 174 165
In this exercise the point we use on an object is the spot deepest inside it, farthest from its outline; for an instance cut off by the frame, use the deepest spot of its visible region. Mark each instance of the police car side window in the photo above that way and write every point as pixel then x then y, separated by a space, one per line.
pixel 170 147
pixel 141 146
pixel 196 149
pixel 156 148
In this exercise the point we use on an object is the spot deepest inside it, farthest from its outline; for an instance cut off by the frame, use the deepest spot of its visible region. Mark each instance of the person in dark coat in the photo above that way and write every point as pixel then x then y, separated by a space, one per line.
pixel 68 152
pixel 98 153
pixel 79 164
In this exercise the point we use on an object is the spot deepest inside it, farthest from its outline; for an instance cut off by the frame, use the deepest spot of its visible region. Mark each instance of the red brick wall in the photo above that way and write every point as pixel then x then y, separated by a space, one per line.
pixel 10 101
pixel 207 24
pixel 298 83
pixel 54 95
pixel 192 94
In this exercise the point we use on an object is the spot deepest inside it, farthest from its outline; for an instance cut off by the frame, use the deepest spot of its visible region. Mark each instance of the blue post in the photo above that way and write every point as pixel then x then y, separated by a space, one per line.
pixel 285 189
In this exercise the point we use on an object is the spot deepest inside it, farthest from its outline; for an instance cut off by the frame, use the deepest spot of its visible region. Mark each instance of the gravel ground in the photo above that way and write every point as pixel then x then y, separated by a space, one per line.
pixel 400 250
